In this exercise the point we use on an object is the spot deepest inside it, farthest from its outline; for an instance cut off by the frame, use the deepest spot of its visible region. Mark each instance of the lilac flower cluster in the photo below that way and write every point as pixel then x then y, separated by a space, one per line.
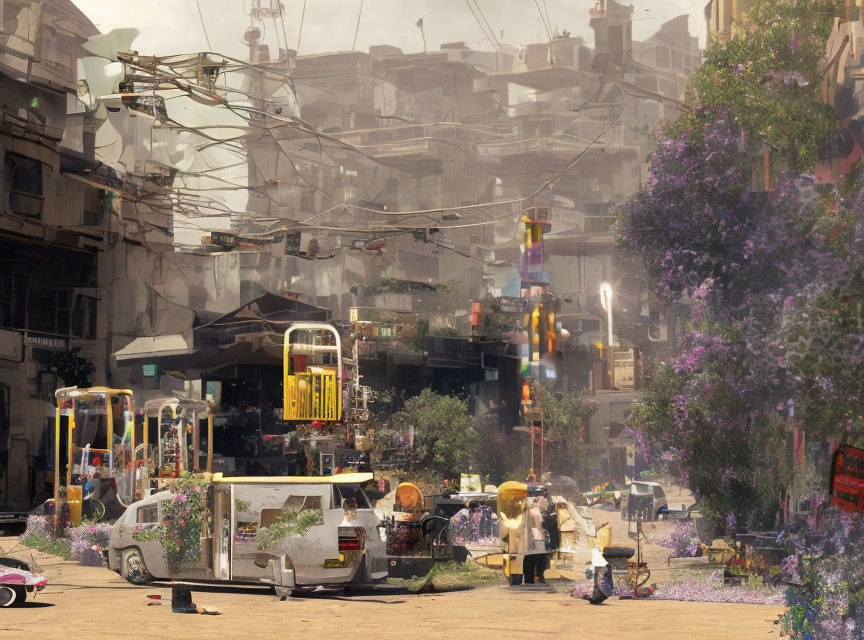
pixel 827 577
pixel 696 590
pixel 89 541
pixel 682 539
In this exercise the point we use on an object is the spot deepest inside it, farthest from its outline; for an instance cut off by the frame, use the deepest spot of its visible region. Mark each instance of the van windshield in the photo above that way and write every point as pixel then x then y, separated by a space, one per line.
pixel 350 495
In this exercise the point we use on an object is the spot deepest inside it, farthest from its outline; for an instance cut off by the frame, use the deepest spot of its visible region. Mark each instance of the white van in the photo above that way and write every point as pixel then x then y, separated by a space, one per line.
pixel 346 548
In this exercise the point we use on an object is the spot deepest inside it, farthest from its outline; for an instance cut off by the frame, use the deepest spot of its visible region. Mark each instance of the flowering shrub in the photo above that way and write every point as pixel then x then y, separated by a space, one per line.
pixel 40 535
pixel 709 587
pixel 88 541
pixel 473 527
pixel 183 521
pixel 827 603
pixel 683 540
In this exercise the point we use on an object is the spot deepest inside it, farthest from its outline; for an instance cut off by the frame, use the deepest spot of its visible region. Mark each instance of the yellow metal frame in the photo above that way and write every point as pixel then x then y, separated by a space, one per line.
pixel 314 394
pixel 179 407
pixel 74 393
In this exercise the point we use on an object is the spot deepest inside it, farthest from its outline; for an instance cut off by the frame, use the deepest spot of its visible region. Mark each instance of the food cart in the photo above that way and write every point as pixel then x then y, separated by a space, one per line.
pixel 94 444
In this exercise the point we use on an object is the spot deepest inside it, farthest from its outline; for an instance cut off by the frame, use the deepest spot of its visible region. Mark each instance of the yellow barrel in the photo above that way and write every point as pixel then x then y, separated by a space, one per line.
pixel 73 497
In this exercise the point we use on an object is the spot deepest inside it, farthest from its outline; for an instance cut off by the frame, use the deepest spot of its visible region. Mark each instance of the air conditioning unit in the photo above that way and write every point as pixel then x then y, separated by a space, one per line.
pixel 658 333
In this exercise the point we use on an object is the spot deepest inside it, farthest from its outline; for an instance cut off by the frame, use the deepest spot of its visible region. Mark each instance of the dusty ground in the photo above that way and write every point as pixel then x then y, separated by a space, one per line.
pixel 97 603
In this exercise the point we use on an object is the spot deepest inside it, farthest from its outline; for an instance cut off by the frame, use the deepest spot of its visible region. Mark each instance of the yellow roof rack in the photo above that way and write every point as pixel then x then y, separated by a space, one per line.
pixel 342 478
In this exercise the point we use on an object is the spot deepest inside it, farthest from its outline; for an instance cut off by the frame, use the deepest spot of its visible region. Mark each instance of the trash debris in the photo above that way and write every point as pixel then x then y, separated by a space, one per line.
pixel 209 611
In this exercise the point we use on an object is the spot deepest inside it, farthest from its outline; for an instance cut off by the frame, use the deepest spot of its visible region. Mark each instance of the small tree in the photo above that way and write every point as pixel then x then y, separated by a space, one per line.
pixel 565 417
pixel 445 440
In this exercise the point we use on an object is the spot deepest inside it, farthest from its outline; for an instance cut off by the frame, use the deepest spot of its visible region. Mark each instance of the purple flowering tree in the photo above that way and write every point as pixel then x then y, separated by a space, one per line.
pixel 746 261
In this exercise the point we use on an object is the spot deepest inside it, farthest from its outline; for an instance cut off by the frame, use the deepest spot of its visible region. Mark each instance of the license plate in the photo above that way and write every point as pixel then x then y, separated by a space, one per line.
pixel 333 563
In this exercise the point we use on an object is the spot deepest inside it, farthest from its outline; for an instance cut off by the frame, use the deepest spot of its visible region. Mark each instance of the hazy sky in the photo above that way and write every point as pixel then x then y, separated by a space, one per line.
pixel 174 26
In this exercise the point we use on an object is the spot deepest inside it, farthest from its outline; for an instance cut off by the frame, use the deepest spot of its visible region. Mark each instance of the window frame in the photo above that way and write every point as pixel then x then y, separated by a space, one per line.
pixel 10 169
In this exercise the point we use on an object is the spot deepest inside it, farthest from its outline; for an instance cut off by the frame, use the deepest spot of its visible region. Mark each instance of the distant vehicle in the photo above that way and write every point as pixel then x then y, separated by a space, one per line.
pixel 644 501
pixel 346 548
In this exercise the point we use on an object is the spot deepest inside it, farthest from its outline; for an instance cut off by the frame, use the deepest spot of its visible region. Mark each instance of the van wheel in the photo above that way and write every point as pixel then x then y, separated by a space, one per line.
pixel 12 596
pixel 132 567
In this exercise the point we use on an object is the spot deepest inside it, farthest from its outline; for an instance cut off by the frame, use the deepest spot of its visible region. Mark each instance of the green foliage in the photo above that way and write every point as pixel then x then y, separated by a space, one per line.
pixel 823 338
pixel 183 520
pixel 56 547
pixel 389 283
pixel 769 75
pixel 289 524
pixel 145 534
pixel 451 576
pixel 503 456
pixel 240 505
pixel 74 371
pixel 445 440
pixel 565 419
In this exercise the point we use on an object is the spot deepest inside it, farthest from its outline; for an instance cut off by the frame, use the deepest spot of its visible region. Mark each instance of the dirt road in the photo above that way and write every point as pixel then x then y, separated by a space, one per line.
pixel 96 603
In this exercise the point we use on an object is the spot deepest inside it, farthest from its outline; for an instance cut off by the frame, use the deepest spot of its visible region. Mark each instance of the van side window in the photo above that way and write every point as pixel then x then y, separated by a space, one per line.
pixel 148 514
pixel 658 492
pixel 350 495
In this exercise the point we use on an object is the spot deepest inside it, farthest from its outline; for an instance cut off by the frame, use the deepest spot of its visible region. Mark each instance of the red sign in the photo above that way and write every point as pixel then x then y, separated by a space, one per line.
pixel 847 479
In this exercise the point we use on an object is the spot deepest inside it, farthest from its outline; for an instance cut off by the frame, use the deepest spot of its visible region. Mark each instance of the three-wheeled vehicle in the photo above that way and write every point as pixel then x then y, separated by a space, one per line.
pixel 171 441
pixel 345 547
pixel 94 445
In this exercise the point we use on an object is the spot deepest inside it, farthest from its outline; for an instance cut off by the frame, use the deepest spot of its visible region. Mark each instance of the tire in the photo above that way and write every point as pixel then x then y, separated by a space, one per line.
pixel 12 596
pixel 132 567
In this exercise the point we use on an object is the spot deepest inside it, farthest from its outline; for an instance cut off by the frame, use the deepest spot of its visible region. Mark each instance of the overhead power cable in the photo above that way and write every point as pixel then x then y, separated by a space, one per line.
pixel 488 26
pixel 543 20
pixel 489 38
pixel 201 15
pixel 357 28
pixel 300 32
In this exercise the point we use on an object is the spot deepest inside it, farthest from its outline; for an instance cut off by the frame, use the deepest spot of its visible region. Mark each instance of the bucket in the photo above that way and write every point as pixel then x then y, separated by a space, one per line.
pixel 181 599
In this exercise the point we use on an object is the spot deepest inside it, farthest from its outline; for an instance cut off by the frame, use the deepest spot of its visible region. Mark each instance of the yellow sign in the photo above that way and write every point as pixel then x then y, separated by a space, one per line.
pixel 334 563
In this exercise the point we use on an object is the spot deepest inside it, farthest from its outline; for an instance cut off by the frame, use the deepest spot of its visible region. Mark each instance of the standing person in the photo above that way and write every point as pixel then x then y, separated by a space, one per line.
pixel 485 521
pixel 552 534
pixel 535 543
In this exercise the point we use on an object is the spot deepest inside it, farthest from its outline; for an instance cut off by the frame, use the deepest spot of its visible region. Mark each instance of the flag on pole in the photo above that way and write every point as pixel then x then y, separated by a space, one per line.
pixel 419 23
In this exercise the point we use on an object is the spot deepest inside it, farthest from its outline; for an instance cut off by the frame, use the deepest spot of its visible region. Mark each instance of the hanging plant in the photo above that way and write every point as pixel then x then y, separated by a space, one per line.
pixel 74 371
pixel 289 524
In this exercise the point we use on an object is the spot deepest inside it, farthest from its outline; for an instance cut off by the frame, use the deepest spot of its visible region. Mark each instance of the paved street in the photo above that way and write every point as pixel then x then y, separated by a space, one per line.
pixel 99 604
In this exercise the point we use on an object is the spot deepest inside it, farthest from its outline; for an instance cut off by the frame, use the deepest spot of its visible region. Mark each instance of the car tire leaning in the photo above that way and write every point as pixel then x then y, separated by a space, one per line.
pixel 132 567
